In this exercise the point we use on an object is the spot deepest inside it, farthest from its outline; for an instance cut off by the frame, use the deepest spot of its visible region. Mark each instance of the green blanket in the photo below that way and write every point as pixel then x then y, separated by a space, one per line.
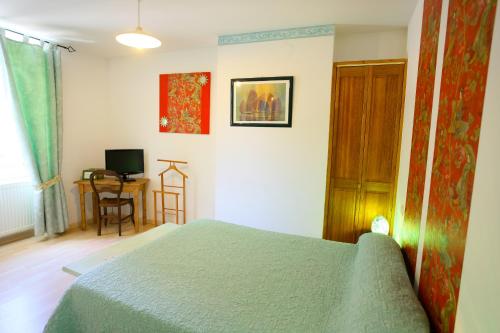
pixel 212 276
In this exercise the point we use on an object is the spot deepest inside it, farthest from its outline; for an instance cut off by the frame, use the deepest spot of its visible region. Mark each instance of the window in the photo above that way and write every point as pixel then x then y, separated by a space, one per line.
pixel 14 162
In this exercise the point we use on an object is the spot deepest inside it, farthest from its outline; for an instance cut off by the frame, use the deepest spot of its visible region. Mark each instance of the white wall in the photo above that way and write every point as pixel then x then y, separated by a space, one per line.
pixel 274 178
pixel 413 51
pixel 133 113
pixel 479 301
pixel 118 100
pixel 370 45
pixel 85 111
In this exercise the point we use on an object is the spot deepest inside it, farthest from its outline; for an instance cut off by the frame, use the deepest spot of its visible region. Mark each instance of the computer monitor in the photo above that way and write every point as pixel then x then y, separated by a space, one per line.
pixel 125 161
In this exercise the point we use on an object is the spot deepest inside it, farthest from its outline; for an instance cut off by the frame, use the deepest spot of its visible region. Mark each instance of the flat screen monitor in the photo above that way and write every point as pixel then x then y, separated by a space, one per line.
pixel 125 161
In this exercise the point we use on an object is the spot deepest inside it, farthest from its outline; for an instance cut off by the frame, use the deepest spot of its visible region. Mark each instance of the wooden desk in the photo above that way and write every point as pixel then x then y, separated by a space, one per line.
pixel 140 185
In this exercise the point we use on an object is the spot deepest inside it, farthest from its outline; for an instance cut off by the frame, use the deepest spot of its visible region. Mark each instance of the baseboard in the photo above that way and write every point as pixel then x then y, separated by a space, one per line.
pixel 90 222
pixel 31 233
pixel 17 236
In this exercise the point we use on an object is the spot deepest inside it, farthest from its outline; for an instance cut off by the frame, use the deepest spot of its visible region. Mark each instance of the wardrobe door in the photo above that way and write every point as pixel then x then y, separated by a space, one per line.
pixel 349 110
pixel 381 146
pixel 365 136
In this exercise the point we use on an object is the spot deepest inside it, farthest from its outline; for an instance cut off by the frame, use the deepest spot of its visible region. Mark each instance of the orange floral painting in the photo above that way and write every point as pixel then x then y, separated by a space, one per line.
pixel 465 67
pixel 185 103
pixel 421 127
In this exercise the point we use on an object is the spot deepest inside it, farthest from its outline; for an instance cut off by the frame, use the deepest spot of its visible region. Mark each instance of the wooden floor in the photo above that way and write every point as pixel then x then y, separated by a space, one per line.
pixel 31 279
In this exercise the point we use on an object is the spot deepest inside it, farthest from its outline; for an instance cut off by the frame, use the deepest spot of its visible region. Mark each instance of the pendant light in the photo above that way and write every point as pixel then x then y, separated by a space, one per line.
pixel 138 38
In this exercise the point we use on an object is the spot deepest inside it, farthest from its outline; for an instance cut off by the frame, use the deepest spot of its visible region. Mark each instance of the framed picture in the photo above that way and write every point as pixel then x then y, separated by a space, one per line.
pixel 87 172
pixel 264 101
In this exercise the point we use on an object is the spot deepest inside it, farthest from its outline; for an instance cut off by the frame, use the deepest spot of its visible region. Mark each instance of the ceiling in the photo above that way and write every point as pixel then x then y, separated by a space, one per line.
pixel 90 25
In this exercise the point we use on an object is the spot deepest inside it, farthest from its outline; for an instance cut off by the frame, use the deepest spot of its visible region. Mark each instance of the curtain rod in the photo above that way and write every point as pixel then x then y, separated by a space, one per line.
pixel 69 48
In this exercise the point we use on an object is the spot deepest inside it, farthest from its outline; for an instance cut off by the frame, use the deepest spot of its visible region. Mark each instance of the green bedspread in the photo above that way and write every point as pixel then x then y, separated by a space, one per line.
pixel 212 276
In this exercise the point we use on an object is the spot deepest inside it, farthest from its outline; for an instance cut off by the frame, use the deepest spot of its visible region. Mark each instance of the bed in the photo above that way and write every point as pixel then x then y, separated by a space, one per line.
pixel 210 276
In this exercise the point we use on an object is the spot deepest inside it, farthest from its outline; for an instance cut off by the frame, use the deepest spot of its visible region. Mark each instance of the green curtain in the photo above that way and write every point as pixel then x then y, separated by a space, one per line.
pixel 35 73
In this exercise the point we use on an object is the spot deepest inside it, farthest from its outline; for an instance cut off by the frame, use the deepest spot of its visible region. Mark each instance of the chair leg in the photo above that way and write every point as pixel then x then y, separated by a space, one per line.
pixel 119 220
pixel 99 221
pixel 133 212
pixel 106 214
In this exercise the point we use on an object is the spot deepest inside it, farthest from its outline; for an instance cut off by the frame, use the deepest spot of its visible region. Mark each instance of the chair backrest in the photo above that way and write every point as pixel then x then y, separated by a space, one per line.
pixel 111 182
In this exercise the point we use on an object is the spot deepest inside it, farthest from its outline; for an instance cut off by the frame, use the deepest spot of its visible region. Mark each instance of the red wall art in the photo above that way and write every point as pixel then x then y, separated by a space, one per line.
pixel 421 127
pixel 185 103
pixel 465 67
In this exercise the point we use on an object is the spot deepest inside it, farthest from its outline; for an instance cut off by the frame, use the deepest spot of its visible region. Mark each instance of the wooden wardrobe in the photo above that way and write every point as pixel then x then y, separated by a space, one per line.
pixel 365 135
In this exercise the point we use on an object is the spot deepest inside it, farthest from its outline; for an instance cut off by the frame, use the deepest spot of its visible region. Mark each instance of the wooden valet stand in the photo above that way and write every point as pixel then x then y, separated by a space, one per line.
pixel 175 191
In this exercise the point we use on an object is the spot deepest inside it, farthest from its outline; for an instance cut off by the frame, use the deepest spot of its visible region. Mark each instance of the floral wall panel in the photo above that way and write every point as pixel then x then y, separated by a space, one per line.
pixel 421 126
pixel 465 67
pixel 185 103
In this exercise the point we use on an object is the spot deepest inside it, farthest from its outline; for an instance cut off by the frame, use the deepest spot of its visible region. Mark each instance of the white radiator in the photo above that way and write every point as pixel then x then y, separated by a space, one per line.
pixel 16 208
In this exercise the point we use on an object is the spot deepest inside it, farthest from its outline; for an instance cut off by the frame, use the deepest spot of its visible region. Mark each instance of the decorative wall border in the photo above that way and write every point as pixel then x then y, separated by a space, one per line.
pixel 264 36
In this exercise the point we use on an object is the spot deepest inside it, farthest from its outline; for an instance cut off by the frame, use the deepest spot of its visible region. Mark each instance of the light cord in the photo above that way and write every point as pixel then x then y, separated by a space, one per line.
pixel 138 13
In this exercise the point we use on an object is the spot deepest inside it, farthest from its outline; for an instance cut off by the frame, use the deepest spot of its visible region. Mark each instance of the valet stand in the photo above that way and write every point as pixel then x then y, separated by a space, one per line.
pixel 167 190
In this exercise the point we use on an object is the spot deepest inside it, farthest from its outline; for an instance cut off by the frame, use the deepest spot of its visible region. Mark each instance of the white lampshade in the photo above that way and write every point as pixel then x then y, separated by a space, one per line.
pixel 380 225
pixel 138 39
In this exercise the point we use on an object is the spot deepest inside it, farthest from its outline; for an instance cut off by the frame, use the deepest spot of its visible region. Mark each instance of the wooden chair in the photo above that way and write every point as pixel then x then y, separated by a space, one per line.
pixel 112 183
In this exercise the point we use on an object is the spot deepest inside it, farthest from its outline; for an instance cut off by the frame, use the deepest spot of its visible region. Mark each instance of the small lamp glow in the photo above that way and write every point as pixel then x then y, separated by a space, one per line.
pixel 380 225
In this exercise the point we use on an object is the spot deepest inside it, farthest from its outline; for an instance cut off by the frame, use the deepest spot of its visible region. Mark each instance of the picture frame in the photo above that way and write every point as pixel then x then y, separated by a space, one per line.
pixel 262 101
pixel 87 172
